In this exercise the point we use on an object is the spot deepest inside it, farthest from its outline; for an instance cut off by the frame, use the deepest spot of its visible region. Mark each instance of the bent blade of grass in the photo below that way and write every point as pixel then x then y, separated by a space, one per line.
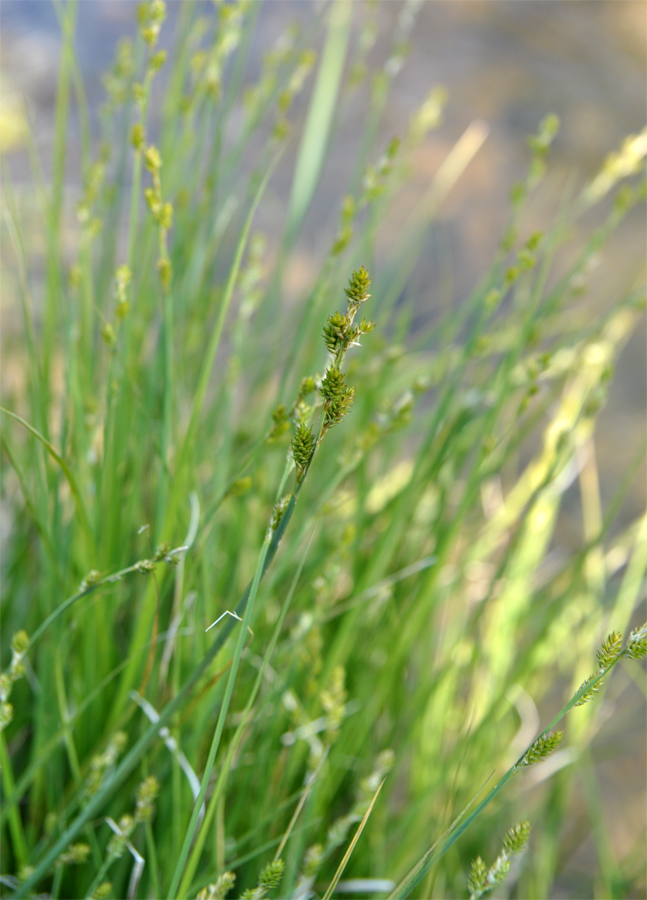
pixel 30 506
pixel 180 606
pixel 109 579
pixel 71 480
pixel 171 744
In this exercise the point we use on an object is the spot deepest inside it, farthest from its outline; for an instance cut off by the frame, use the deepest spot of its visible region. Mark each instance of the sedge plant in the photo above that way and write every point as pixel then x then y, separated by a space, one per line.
pixel 210 689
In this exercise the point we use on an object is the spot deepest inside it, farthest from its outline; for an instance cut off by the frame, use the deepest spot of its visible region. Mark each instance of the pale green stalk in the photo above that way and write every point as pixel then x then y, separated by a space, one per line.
pixel 193 824
pixel 347 855
pixel 214 800
pixel 319 120
pixel 216 334
pixel 71 479
pixel 58 177
pixel 463 821
pixel 16 829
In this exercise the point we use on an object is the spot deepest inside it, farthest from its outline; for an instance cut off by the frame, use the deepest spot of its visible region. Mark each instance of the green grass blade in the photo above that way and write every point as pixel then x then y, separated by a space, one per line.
pixel 198 846
pixel 193 824
pixel 349 852
pixel 320 114
pixel 216 334
pixel 71 480
pixel 133 757
pixel 18 841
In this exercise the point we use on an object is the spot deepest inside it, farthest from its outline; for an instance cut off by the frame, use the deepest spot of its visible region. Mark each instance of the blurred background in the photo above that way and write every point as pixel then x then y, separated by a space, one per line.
pixel 505 62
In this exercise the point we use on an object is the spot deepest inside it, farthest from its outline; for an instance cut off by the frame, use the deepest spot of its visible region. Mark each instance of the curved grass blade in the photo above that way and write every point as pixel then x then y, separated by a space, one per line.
pixel 71 480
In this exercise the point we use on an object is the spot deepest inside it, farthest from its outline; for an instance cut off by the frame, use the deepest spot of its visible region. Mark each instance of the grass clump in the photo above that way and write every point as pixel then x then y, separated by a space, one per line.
pixel 240 660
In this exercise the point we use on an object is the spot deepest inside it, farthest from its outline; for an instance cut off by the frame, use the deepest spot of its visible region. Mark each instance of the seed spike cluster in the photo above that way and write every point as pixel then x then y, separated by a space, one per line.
pixel 280 423
pixel 339 334
pixel 483 879
pixel 269 879
pixel 357 290
pixel 477 881
pixel 543 747
pixel 338 397
pixel 303 445
pixel 516 838
pixel 219 889
pixel 637 644
pixel 609 650
pixel 588 695
pixel 609 654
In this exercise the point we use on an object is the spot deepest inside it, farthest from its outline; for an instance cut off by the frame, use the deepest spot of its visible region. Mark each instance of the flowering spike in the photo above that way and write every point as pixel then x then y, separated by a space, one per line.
pixel 588 695
pixel 609 650
pixel 335 332
pixel 542 748
pixel 303 446
pixel 338 397
pixel 271 875
pixel 357 290
pixel 637 644
pixel 516 839
pixel 477 881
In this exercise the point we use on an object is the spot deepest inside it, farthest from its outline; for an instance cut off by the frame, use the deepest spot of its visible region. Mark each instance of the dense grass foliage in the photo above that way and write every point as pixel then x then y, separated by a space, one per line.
pixel 364 511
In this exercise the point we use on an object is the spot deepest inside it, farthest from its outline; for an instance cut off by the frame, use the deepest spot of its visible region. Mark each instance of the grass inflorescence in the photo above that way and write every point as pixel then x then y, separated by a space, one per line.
pixel 285 583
